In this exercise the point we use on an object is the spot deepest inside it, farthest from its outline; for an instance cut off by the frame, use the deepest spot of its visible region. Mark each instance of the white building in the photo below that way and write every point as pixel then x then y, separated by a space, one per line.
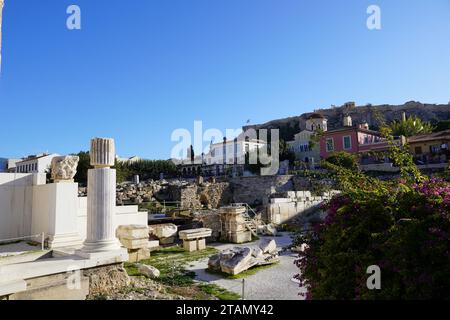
pixel 222 158
pixel 303 145
pixel 129 160
pixel 35 164
pixel 232 151
pixel 11 166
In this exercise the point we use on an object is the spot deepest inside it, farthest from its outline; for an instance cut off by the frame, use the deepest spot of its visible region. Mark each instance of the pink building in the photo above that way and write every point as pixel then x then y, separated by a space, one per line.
pixel 351 139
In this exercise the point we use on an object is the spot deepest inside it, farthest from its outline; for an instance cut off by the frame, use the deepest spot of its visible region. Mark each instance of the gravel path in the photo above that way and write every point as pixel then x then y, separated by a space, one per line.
pixel 274 283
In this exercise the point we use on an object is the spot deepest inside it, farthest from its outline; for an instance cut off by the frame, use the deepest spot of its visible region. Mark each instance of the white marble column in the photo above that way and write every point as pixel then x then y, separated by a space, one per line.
pixel 101 203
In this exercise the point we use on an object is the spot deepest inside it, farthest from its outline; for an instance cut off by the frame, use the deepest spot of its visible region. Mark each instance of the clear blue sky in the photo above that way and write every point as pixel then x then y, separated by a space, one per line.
pixel 139 69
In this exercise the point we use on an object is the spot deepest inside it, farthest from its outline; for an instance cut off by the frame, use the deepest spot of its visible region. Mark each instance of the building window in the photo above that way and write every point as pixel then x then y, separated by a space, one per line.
pixel 347 142
pixel 366 139
pixel 435 149
pixel 418 150
pixel 330 145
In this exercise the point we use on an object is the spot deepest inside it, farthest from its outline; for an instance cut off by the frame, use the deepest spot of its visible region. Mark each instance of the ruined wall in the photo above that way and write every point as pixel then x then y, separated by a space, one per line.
pixel 256 190
pixel 189 197
pixel 207 195
pixel 210 220
pixel 216 195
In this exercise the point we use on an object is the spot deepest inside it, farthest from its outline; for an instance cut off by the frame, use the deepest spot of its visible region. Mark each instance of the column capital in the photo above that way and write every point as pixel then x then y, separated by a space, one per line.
pixel 103 152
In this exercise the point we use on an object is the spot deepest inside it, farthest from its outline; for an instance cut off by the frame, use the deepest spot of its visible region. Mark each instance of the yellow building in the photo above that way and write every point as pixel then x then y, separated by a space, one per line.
pixel 431 148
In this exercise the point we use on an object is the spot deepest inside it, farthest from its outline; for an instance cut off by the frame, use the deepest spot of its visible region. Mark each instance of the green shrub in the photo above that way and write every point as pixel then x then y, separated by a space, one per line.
pixel 343 159
pixel 403 226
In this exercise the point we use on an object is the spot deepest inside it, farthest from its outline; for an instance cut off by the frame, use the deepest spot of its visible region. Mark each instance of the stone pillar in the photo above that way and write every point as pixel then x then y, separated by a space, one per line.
pixel 101 204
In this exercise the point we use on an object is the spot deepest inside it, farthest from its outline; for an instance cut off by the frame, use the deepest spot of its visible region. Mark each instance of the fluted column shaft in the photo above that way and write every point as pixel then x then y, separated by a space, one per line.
pixel 101 203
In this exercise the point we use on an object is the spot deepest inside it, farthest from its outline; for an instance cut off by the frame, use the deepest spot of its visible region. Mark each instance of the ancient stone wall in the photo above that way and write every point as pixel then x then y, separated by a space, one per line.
pixel 211 220
pixel 189 197
pixel 216 195
pixel 256 190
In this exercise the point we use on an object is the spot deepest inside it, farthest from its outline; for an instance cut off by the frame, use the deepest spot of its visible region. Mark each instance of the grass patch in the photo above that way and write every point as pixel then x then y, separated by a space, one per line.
pixel 220 293
pixel 172 262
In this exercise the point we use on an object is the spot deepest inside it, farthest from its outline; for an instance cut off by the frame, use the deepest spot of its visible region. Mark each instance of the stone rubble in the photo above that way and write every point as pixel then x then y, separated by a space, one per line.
pixel 136 239
pixel 240 259
pixel 165 232
pixel 148 271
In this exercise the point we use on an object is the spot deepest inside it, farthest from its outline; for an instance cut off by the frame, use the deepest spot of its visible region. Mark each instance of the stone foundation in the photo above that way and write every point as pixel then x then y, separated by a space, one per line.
pixel 74 285
pixel 106 279
pixel 233 224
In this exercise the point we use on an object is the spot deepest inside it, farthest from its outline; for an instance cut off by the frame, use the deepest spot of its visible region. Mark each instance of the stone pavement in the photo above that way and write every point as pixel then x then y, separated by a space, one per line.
pixel 16 248
pixel 274 283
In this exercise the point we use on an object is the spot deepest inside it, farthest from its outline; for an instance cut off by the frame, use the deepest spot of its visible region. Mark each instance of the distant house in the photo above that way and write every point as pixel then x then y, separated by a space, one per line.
pixel 11 166
pixel 352 139
pixel 303 146
pixel 431 148
pixel 132 159
pixel 368 144
pixel 222 158
pixel 35 164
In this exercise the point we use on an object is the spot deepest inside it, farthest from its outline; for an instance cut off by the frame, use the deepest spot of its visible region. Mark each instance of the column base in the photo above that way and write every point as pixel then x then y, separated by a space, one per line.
pixel 64 240
pixel 101 246
pixel 117 255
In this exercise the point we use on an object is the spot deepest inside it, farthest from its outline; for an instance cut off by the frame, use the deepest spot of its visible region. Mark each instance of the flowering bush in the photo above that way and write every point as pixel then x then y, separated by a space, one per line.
pixel 402 226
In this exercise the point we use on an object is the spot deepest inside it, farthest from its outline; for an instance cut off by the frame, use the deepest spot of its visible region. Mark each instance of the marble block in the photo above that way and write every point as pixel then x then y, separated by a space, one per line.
pixel 190 245
pixel 195 234
pixel 132 232
pixel 134 243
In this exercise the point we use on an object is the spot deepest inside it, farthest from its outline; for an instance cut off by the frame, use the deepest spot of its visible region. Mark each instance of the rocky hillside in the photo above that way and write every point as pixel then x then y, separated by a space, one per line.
pixel 374 115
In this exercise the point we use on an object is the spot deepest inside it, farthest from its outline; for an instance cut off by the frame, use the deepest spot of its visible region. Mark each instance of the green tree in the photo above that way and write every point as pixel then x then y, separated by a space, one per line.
pixel 83 166
pixel 442 125
pixel 400 225
pixel 146 169
pixel 409 127
pixel 344 160
pixel 285 152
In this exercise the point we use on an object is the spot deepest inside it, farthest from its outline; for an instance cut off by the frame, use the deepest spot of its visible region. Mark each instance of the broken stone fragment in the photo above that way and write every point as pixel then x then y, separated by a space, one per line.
pixel 268 246
pixel 64 168
pixel 148 271
pixel 237 261
pixel 162 231
pixel 214 262
pixel 132 231
pixel 268 230
pixel 257 252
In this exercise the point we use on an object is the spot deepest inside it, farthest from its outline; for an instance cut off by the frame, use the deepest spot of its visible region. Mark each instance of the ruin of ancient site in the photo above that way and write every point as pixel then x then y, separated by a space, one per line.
pixel 206 151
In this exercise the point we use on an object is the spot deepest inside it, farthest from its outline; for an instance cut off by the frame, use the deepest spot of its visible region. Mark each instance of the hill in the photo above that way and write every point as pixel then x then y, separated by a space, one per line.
pixel 375 115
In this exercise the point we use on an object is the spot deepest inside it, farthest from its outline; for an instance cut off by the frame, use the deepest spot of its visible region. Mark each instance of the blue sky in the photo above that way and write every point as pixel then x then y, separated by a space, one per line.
pixel 139 69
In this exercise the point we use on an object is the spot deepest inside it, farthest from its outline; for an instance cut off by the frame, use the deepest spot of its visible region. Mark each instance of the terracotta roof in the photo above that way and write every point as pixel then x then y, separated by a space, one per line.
pixel 315 115
pixel 441 135
pixel 373 132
